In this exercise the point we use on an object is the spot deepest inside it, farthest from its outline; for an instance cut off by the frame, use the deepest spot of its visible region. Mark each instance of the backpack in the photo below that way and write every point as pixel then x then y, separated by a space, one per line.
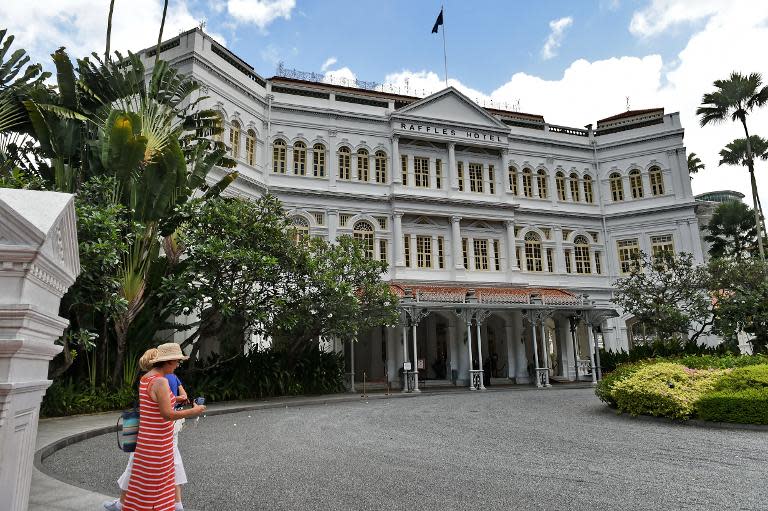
pixel 128 431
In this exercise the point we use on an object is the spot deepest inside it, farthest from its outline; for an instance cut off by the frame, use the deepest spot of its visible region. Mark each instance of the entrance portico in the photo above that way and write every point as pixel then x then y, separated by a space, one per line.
pixel 467 327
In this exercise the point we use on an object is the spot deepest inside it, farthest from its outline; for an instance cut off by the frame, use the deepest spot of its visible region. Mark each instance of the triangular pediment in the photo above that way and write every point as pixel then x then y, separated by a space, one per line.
pixel 451 106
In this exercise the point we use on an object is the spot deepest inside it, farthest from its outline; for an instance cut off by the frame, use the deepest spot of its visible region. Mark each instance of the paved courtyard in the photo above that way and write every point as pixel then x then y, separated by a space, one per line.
pixel 510 449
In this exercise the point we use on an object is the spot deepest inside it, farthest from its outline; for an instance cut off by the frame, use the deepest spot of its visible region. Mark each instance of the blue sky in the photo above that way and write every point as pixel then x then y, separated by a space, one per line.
pixel 486 44
pixel 657 53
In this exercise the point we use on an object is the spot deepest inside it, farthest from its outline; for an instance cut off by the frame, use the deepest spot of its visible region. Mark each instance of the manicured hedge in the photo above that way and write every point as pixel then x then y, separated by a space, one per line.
pixel 664 390
pixel 714 388
pixel 748 406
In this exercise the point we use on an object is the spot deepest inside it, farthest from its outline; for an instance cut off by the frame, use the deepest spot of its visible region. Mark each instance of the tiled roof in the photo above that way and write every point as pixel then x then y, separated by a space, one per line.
pixel 488 295
pixel 631 113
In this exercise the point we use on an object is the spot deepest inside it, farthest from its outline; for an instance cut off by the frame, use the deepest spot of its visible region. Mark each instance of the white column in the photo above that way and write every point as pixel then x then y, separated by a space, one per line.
pixel 492 256
pixel 545 350
pixel 480 355
pixel 38 262
pixel 535 351
pixel 471 253
pixel 545 259
pixel 397 240
pixel 510 338
pixel 559 253
pixel 333 224
pixel 432 172
pixel 452 170
pixel 453 348
pixel 521 371
pixel 458 256
pixel 568 356
pixel 396 170
pixel 405 357
pixel 593 266
pixel 592 355
pixel 469 353
pixel 332 161
pixel 415 361
pixel 352 366
pixel 434 256
pixel 512 261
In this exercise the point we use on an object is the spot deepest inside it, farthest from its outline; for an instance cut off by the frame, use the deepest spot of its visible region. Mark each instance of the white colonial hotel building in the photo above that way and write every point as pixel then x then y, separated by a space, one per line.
pixel 495 224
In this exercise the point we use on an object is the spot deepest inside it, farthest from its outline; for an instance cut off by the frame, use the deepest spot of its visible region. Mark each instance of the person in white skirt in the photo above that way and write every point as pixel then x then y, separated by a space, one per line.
pixel 146 362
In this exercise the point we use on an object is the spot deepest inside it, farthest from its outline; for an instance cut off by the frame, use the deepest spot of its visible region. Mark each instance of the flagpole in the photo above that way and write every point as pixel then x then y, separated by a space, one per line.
pixel 445 55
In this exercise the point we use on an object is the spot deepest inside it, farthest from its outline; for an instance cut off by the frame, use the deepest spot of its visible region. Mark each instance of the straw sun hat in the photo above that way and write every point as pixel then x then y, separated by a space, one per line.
pixel 169 351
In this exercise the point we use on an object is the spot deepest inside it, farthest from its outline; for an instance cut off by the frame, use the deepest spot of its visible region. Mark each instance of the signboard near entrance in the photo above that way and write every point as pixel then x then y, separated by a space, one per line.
pixel 421 363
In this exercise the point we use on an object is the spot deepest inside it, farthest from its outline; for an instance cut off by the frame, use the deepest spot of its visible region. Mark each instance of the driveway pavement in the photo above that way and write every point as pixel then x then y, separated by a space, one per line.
pixel 534 449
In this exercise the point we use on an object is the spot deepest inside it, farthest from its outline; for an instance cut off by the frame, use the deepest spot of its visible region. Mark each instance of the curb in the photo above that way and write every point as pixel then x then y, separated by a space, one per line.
pixel 694 423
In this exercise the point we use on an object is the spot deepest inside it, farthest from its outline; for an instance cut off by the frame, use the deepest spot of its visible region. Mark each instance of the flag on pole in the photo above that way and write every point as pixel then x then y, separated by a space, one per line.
pixel 438 22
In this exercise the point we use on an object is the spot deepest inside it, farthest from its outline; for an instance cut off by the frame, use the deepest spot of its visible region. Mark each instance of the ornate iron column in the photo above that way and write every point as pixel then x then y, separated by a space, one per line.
pixel 595 318
pixel 538 316
pixel 573 322
pixel 480 316
pixel 411 315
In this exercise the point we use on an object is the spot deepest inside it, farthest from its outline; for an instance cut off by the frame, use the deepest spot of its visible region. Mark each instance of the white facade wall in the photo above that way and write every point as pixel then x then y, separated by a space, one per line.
pixel 450 128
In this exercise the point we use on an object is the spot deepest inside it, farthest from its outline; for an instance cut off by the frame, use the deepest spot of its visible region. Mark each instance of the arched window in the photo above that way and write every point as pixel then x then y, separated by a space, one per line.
pixel 234 139
pixel 617 187
pixel 300 229
pixel 278 156
pixel 318 160
pixel 560 182
pixel 513 180
pixel 533 261
pixel 362 165
pixel 380 164
pixel 636 184
pixel 344 163
pixel 581 254
pixel 589 197
pixel 527 183
pixel 541 181
pixel 573 182
pixel 300 159
pixel 657 181
pixel 250 147
pixel 363 231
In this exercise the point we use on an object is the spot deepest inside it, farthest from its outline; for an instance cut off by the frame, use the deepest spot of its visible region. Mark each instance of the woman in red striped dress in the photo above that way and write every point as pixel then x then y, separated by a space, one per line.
pixel 152 486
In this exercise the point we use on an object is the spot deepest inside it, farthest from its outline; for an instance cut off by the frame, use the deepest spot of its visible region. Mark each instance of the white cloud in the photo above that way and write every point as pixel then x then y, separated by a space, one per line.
pixel 554 40
pixel 260 12
pixel 588 91
pixel 343 76
pixel 80 25
pixel 660 15
pixel 328 63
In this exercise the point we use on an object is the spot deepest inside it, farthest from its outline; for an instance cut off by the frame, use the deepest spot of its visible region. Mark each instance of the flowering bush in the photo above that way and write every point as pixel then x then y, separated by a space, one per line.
pixel 664 389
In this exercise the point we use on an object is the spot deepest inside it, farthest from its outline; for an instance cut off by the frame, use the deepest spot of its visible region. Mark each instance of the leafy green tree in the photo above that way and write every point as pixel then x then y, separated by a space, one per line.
pixel 239 259
pixel 339 294
pixel 669 292
pixel 732 232
pixel 736 98
pixel 694 164
pixel 741 292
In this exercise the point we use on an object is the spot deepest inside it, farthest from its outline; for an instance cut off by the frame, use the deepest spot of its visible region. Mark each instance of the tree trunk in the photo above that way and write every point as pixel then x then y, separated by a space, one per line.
pixel 160 35
pixel 751 167
pixel 109 29
pixel 121 338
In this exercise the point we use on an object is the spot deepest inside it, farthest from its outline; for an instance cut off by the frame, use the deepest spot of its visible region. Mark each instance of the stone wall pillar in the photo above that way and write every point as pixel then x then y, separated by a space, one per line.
pixel 38 263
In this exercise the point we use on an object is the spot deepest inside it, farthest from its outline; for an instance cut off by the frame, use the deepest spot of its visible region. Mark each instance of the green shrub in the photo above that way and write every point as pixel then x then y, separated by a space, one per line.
pixel 744 378
pixel 720 361
pixel 69 398
pixel 604 388
pixel 746 406
pixel 663 389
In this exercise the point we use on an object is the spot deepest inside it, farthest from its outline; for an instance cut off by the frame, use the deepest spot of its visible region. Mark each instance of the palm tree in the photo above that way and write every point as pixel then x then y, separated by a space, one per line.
pixel 694 164
pixel 736 98
pixel 732 231
pixel 160 35
pixel 735 153
pixel 109 28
